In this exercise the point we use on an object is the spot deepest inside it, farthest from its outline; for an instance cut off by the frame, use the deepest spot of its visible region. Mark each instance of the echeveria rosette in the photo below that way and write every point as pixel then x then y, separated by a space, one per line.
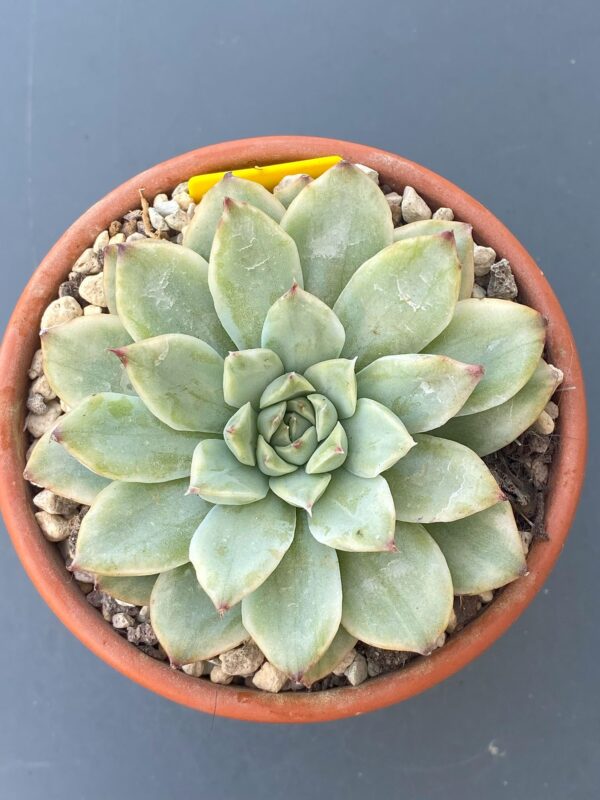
pixel 290 437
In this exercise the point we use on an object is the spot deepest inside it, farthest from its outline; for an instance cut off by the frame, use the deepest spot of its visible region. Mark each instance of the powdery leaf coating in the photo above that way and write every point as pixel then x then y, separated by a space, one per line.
pixel 186 622
pixel 488 431
pixel 464 245
pixel 440 481
pixel 77 361
pixel 330 453
pixel 423 390
pixel 286 387
pixel 294 615
pixel 133 589
pixel 325 415
pixel 355 514
pixel 398 600
pixel 247 373
pixel 117 437
pixel 200 233
pixel 506 338
pixel 138 529
pixel 400 299
pixel 336 379
pixel 252 263
pixel 376 439
pixel 218 476
pixel 338 222
pixel 483 551
pixel 299 489
pixel 302 330
pixel 240 435
pixel 236 548
pixel 109 270
pixel 180 380
pixel 341 645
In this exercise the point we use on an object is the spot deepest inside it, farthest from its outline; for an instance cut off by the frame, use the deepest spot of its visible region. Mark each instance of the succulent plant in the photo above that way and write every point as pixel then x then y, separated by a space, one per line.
pixel 285 442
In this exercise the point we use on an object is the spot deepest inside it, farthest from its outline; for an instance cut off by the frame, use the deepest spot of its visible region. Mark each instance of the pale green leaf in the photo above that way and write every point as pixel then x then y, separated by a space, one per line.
pixel 423 390
pixel 269 462
pixel 325 415
pixel 219 477
pixel 493 429
pixel 139 528
pixel 440 481
pixel 240 435
pixel 302 406
pixel 200 233
pixel 269 419
pixel 116 436
pixel 336 380
pixel 252 263
pixel 294 615
pixel 236 548
pixel 290 187
pixel 302 330
pixel 338 221
pixel 299 489
pixel 186 622
pixel 376 439
pixel 109 271
pixel 398 600
pixel 300 450
pixel 297 426
pixel 286 387
pixel 77 361
pixel 355 514
pixel 483 551
pixel 401 299
pixel 339 648
pixel 180 379
pixel 135 589
pixel 331 452
pixel 281 435
pixel 506 338
pixel 247 373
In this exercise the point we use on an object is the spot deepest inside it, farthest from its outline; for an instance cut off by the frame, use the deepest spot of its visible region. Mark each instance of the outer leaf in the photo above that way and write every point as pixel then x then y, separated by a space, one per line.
pixel 464 245
pixel 52 467
pixel 440 481
pixel 247 373
pixel 163 288
pixel 295 614
pixel 286 387
pixel 401 299
pixel 300 450
pixel 331 452
pixel 200 233
pixel 240 435
pixel 135 590
pixel 338 221
pixel 117 437
pixel 325 415
pixel 341 645
pixel 376 439
pixel 299 489
pixel 139 529
pixel 269 462
pixel 398 600
pixel 180 379
pixel 290 187
pixel 77 361
pixel 109 271
pixel 355 514
pixel 252 263
pixel 218 476
pixel 506 338
pixel 483 551
pixel 235 549
pixel 337 381
pixel 493 429
pixel 303 330
pixel 186 622
pixel 423 390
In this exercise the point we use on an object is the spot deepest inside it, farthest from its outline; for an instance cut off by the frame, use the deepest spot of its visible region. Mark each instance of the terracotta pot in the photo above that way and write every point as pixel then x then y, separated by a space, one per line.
pixel 44 563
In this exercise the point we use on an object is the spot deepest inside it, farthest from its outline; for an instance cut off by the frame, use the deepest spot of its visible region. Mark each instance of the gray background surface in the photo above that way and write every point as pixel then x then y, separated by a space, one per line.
pixel 503 99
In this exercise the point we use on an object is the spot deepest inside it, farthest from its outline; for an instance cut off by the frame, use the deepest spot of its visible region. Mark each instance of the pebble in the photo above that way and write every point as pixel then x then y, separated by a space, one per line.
pixel 38 424
pixel 160 198
pixel 478 292
pixel 156 220
pixel 166 207
pixel 100 242
pixel 41 386
pixel 114 228
pixel 142 634
pixel 54 504
pixel 486 597
pixel 539 473
pixel 135 237
pixel 179 238
pixel 177 221
pixel 370 173
pixel 70 288
pixel 110 607
pixel 83 577
pixel 144 614
pixel 526 538
pixel 196 670
pixel 129 227
pixel 345 662
pixel 59 311
pixel 439 642
pixel 181 187
pixel 36 404
pixel 218 675
pixel 444 213
pixel 483 258
pixel 502 282
pixel 118 238
pixel 269 678
pixel 54 528
pixel 414 208
pixel 552 410
pixel 357 672
pixel 133 215
pixel 92 290
pixel 37 365
pixel 395 203
pixel 452 622
pixel 121 621
pixel 191 210
pixel 90 311
pixel 95 598
pixel 244 660
pixel 183 200
pixel 87 263
pixel 544 424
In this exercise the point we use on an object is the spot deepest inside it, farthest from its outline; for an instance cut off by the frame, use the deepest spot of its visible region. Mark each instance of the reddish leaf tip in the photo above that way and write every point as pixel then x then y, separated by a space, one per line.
pixel 56 436
pixel 391 547
pixel 120 353
pixel 476 370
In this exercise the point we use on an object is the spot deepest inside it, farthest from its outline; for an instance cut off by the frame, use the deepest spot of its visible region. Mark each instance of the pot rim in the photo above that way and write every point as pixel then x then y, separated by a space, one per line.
pixel 43 562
